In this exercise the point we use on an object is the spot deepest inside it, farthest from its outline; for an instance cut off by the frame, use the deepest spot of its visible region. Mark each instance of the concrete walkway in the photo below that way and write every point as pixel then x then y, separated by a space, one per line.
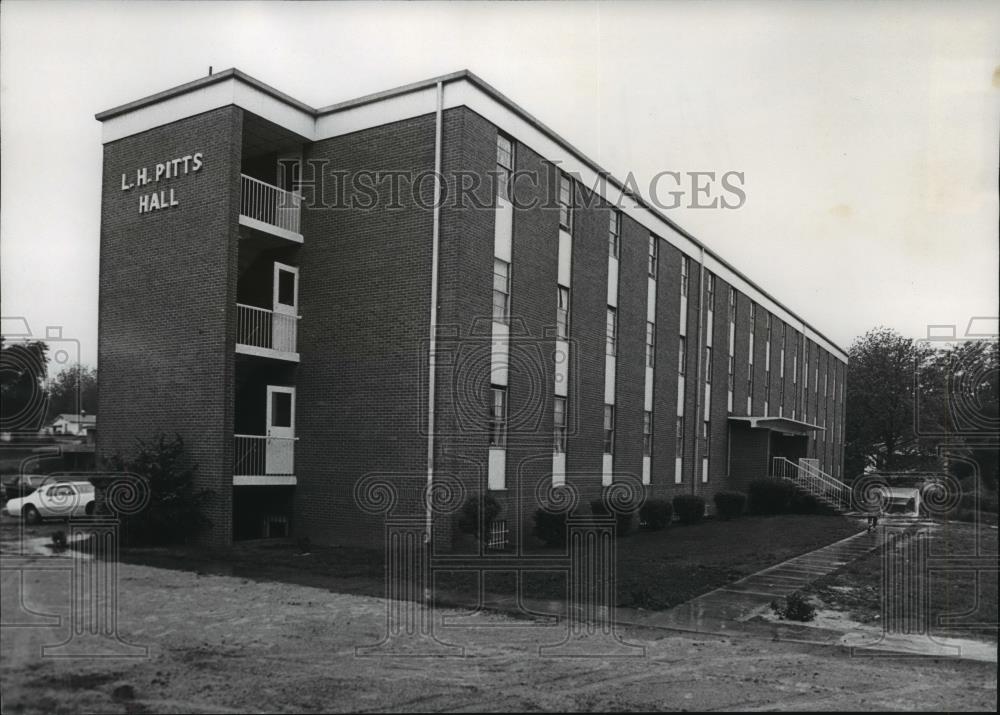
pixel 727 607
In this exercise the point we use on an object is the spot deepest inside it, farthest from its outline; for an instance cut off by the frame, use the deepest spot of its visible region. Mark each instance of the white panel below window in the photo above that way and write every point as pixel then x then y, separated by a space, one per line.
pixel 606 469
pixel 646 466
pixel 709 319
pixel 729 401
pixel 565 258
pixel 684 315
pixel 561 359
pixel 648 399
pixel 503 229
pixel 749 406
pixel 498 469
pixel 708 403
pixel 499 354
pixel 732 336
pixel 680 396
pixel 678 464
pixel 651 300
pixel 558 469
pixel 612 281
pixel 704 470
pixel 609 379
pixel 766 409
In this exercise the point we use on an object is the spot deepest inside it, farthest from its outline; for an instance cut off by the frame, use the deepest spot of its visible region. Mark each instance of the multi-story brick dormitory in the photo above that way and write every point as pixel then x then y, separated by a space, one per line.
pixel 287 336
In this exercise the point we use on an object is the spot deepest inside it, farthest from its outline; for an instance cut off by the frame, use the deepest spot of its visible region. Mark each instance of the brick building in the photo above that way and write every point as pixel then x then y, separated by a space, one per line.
pixel 268 289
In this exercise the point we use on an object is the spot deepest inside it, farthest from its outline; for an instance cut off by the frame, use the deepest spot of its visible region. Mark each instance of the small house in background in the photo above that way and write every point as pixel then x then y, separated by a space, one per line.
pixel 79 425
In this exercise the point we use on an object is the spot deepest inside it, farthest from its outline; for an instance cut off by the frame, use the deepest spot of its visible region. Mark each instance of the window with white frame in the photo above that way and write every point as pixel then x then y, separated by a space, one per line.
pixel 653 256
pixel 609 429
pixel 559 424
pixel 562 312
pixel 650 343
pixel 565 202
pixel 614 233
pixel 647 433
pixel 498 416
pixel 679 437
pixel 612 331
pixel 501 291
pixel 731 374
pixel 685 275
pixel 708 364
pixel 681 356
pixel 710 291
pixel 732 305
pixel 505 165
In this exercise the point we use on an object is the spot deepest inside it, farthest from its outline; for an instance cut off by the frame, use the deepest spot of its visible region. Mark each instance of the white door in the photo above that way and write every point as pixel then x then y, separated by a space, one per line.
pixel 285 304
pixel 280 453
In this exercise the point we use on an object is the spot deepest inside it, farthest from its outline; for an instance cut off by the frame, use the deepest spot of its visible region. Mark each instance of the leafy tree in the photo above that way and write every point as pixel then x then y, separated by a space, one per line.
pixel 23 367
pixel 879 431
pixel 72 390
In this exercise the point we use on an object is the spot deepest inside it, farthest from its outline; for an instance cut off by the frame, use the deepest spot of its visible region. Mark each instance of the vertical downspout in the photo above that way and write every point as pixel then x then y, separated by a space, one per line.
pixel 699 387
pixel 432 349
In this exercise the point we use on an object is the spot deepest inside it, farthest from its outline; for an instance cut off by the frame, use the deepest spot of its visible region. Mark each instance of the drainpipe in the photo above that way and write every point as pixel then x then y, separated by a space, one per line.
pixel 699 387
pixel 432 349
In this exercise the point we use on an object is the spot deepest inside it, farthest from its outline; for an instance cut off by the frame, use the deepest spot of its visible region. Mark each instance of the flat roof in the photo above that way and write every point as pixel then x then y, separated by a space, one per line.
pixel 486 88
pixel 778 424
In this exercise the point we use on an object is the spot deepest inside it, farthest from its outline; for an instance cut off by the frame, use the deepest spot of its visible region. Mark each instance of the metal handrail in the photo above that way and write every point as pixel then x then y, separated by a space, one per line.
pixel 267 203
pixel 250 454
pixel 263 328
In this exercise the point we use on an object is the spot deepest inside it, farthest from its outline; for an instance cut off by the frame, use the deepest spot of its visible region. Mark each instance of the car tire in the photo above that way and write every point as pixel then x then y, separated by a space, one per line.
pixel 31 515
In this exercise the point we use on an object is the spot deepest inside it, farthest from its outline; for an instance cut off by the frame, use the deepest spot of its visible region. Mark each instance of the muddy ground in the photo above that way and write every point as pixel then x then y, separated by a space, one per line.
pixel 226 644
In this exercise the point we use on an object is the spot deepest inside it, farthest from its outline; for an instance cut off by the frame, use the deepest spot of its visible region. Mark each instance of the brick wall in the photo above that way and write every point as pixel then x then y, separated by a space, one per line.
pixel 167 294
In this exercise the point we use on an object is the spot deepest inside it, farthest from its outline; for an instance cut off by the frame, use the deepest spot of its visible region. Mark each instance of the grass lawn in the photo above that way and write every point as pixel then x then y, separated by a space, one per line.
pixel 857 588
pixel 656 569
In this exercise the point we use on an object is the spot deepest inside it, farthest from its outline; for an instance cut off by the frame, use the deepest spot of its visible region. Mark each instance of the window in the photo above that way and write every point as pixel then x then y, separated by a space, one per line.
pixel 614 230
pixel 753 316
pixel 709 291
pixel 565 202
pixel 281 409
pixel 685 275
pixel 612 337
pixel 681 357
pixel 505 165
pixel 498 416
pixel 750 382
pixel 708 365
pixel 732 373
pixel 767 382
pixel 768 319
pixel 562 313
pixel 653 252
pixel 650 344
pixel 559 424
pixel 732 305
pixel 501 291
pixel 609 429
pixel 679 438
pixel 706 438
pixel 647 434
pixel 286 287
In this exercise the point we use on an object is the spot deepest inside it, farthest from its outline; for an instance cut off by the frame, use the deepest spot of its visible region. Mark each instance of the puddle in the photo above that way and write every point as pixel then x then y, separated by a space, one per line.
pixel 43 546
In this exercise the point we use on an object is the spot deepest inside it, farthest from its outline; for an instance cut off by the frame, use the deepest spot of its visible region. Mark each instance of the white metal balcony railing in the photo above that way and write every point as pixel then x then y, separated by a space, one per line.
pixel 263 456
pixel 269 204
pixel 263 328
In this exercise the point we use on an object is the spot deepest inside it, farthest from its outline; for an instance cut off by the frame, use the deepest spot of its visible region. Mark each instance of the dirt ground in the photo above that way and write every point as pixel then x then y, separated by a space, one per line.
pixel 226 644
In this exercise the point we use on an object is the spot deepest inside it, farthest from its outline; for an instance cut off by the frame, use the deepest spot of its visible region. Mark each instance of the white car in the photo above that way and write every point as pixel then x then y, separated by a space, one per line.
pixel 62 500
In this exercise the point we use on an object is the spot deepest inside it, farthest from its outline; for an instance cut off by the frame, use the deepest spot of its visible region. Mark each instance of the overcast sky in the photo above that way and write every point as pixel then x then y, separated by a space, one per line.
pixel 867 132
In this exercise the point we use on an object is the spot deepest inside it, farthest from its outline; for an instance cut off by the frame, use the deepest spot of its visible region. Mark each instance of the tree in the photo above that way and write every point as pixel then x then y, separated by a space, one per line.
pixel 880 402
pixel 23 367
pixel 72 390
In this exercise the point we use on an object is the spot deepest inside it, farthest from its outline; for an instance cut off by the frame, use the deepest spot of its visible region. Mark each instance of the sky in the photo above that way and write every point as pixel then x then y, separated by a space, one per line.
pixel 867 132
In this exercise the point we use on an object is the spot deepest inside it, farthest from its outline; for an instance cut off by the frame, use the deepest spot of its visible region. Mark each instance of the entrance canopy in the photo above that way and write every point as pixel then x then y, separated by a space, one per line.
pixel 779 424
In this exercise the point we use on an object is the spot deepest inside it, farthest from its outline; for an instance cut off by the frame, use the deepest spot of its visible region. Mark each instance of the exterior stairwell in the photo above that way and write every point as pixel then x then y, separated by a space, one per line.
pixel 808 476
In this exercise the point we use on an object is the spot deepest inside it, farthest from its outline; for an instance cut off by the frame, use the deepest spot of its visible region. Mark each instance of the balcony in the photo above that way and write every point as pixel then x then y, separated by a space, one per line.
pixel 260 460
pixel 266 333
pixel 269 209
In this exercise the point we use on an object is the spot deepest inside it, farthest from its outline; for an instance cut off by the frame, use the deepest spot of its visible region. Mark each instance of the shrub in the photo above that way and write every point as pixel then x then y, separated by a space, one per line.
pixel 623 522
pixel 690 509
pixel 174 511
pixel 656 514
pixel 796 608
pixel 550 528
pixel 771 496
pixel 730 504
pixel 469 521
